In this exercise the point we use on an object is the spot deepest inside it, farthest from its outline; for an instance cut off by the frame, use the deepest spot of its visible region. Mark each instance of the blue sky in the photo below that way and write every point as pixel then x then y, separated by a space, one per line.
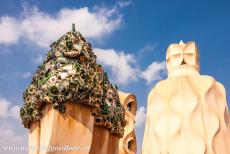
pixel 131 34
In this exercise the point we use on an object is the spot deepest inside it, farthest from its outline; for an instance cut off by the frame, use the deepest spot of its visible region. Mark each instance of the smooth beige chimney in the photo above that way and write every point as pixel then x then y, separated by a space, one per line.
pixel 187 113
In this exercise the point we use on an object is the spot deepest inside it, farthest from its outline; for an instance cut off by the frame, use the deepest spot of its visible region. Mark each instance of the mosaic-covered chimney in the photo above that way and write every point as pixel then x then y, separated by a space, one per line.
pixel 71 102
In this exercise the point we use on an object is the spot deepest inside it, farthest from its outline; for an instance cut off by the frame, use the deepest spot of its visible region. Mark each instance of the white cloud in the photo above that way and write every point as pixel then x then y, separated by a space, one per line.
pixel 154 72
pixel 42 28
pixel 8 30
pixel 7 110
pixel 122 65
pixel 140 116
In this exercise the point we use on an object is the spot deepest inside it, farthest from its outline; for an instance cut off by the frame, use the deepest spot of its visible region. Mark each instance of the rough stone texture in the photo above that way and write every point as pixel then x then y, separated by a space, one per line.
pixel 186 113
pixel 127 144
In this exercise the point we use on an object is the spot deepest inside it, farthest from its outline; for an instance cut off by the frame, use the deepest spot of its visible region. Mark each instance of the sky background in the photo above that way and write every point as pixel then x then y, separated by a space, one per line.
pixel 130 39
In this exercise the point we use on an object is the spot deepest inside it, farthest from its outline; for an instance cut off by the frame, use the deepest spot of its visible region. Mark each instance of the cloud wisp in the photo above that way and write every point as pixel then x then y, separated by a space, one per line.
pixel 147 48
pixel 124 4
